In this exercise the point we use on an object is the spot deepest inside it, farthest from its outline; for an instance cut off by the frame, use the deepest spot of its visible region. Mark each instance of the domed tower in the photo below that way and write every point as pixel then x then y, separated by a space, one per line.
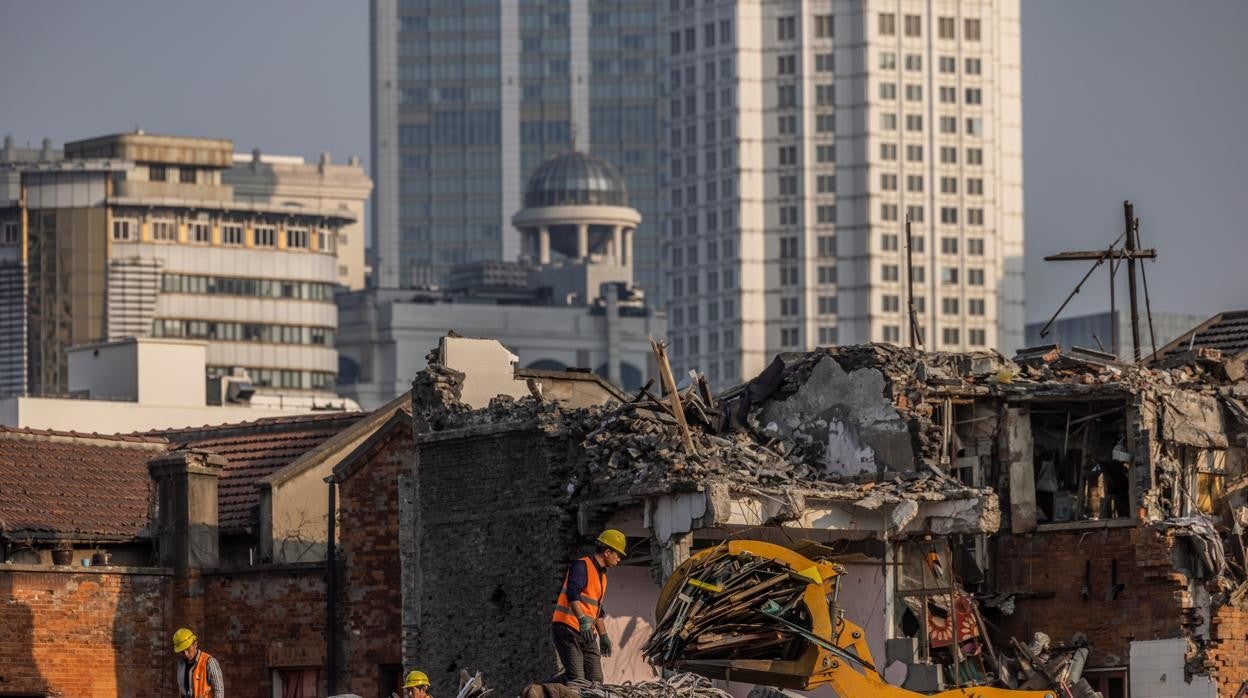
pixel 576 212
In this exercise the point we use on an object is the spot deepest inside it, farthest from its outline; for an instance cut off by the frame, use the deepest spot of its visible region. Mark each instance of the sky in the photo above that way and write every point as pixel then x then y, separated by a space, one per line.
pixel 1122 99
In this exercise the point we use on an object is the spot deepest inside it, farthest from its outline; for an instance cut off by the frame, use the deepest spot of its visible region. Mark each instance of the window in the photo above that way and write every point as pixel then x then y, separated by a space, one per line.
pixel 888 182
pixel 788 155
pixel 200 232
pixel 825 213
pixel 826 275
pixel 787 125
pixel 826 246
pixel 890 303
pixel 788 275
pixel 164 231
pixel 914 153
pixel 914 122
pixel 946 26
pixel 971 30
pixel 915 213
pixel 948 185
pixel 948 275
pixel 948 64
pixel 788 185
pixel 949 306
pixel 914 62
pixel 975 277
pixel 825 153
pixel 297 238
pixel 788 307
pixel 948 124
pixel 887 24
pixel 786 28
pixel 914 93
pixel 977 337
pixel 892 333
pixel 949 216
pixel 823 26
pixel 919 272
pixel 788 247
pixel 708 35
pixel 975 216
pixel 825 95
pixel 888 60
pixel 825 184
pixel 914 25
pixel 123 231
pixel 786 65
pixel 786 96
pixel 974 156
pixel 889 272
pixel 975 186
pixel 824 63
pixel 888 91
pixel 975 127
pixel 975 247
pixel 973 66
pixel 888 151
pixel 888 212
pixel 949 155
pixel 265 236
pixel 914 183
pixel 950 335
pixel 789 336
pixel 156 173
pixel 975 306
pixel 949 245
pixel 788 215
pixel 186 175
pixel 974 95
pixel 888 121
pixel 827 336
pixel 920 303
pixel 890 242
pixel 231 234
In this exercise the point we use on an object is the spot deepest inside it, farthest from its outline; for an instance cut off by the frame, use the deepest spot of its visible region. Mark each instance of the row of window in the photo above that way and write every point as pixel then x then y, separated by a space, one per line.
pixel 682 316
pixel 948 154
pixel 243 332
pixel 709 73
pixel 948 124
pixel 948 275
pixel 251 288
pixel 912 26
pixel 232 234
pixel 725 279
pixel 947 65
pixel 948 94
pixel 10 233
pixel 712 34
pixel 281 378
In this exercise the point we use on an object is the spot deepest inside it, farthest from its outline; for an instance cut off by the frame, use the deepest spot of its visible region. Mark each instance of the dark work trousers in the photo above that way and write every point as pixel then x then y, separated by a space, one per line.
pixel 580 659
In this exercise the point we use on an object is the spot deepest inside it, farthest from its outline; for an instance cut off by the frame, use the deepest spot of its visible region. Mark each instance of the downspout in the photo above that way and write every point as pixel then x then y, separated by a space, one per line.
pixel 331 591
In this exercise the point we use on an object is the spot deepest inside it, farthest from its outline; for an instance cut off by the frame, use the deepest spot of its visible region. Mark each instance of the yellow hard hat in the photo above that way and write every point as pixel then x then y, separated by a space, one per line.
pixel 182 639
pixel 615 540
pixel 415 679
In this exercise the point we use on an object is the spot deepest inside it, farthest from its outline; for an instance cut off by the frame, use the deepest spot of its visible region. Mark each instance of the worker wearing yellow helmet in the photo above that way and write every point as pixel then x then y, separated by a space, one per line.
pixel 198 673
pixel 577 628
pixel 416 685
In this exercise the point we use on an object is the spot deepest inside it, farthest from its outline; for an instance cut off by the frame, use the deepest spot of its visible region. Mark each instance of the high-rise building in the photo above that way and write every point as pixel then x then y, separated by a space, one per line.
pixel 136 235
pixel 468 97
pixel 800 136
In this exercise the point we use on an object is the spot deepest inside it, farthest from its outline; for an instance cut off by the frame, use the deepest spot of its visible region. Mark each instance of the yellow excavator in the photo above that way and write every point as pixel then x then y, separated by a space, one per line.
pixel 725 614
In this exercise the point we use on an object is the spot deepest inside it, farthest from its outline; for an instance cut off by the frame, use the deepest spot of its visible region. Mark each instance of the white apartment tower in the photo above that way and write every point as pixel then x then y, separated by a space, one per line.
pixel 800 136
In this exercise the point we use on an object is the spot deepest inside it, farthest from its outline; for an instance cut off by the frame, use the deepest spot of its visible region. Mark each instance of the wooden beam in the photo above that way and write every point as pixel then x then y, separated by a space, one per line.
pixel 669 387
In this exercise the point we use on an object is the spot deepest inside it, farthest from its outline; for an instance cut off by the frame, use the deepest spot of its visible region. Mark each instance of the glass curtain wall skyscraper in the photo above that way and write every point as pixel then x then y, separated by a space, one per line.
pixel 469 96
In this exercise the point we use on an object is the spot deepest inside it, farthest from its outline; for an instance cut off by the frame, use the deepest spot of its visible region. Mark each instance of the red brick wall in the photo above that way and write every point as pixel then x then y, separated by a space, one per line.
pixel 1228 652
pixel 263 618
pixel 1149 608
pixel 370 602
pixel 89 634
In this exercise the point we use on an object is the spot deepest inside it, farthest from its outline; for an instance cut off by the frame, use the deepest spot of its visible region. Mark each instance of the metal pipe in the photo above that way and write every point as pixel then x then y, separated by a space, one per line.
pixel 331 591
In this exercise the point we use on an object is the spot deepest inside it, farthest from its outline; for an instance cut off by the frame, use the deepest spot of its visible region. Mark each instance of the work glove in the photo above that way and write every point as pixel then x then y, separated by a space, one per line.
pixel 604 645
pixel 587 629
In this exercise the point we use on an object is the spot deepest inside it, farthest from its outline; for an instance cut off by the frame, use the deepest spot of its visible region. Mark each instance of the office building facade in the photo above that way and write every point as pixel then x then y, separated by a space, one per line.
pixel 800 136
pixel 468 97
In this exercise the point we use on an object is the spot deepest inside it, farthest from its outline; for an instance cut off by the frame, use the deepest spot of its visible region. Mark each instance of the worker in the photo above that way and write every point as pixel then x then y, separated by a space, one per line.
pixel 578 630
pixel 198 673
pixel 416 685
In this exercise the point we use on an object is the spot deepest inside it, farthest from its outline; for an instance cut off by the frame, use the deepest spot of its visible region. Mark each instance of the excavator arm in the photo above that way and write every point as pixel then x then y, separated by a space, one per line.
pixel 825 648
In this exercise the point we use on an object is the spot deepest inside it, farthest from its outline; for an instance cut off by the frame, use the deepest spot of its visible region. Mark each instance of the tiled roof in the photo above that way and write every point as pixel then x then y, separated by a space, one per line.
pixel 1226 332
pixel 255 450
pixel 75 486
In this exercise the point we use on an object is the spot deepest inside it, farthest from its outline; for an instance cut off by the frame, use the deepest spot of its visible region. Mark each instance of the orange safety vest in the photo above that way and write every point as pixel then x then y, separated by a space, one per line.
pixel 199 676
pixel 591 597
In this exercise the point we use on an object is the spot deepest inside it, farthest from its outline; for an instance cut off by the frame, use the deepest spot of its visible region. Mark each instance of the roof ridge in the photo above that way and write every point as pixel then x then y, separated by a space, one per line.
pixel 283 420
pixel 29 432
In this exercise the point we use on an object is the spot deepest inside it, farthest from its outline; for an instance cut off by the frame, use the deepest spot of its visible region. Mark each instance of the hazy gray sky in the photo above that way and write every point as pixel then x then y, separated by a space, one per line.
pixel 1135 99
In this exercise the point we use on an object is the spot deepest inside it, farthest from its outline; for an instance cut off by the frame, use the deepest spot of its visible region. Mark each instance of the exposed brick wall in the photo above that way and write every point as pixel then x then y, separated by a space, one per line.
pixel 263 618
pixel 59 628
pixel 1149 608
pixel 1228 651
pixel 370 598
pixel 492 549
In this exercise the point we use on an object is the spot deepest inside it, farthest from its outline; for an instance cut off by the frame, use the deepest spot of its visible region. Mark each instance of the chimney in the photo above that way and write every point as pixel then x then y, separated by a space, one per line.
pixel 185 508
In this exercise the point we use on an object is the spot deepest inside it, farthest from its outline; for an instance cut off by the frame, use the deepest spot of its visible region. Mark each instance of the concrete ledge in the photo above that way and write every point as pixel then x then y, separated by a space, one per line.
pixel 1086 525
pixel 90 569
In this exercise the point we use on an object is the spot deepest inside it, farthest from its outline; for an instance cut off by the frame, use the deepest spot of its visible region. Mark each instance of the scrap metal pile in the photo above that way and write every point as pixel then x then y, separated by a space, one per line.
pixel 734 607
pixel 682 685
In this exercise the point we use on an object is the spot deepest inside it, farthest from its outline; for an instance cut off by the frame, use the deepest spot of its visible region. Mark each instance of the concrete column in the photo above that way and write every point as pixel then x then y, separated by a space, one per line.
pixel 628 247
pixel 186 508
pixel 543 245
pixel 617 244
pixel 582 240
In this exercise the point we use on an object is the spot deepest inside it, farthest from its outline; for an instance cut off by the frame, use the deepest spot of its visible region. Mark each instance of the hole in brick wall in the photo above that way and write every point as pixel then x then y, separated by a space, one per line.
pixel 1081 469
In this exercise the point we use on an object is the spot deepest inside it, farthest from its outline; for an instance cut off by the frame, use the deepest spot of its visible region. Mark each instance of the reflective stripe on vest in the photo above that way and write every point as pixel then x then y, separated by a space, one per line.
pixel 591 597
pixel 199 677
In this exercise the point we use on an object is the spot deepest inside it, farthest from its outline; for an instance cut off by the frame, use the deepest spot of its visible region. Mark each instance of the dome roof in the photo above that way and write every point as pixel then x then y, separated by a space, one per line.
pixel 575 178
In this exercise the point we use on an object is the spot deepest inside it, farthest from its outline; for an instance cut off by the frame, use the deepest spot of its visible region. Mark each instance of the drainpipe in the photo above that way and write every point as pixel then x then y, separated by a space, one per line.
pixel 331 591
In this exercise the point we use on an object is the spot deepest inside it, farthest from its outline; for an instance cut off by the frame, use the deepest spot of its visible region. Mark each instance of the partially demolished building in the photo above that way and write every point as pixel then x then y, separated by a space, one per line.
pixel 1070 500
